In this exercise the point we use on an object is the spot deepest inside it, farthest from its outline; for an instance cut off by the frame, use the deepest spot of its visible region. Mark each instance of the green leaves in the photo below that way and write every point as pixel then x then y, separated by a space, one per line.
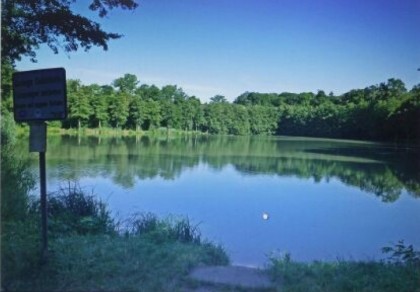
pixel 401 253
pixel 28 24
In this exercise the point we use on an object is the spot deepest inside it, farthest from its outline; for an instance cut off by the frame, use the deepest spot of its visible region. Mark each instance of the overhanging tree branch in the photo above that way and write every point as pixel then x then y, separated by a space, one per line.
pixel 26 24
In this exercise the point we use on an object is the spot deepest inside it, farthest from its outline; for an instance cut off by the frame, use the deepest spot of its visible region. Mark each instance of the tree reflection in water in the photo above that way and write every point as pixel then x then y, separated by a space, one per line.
pixel 380 169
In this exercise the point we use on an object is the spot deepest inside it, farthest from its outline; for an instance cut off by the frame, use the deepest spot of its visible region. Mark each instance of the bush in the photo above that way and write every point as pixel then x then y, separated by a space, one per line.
pixel 20 252
pixel 72 211
pixel 402 254
pixel 170 229
pixel 16 179
pixel 343 275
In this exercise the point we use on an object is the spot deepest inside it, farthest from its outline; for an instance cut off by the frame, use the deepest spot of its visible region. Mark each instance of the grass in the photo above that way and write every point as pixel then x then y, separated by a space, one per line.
pixel 344 275
pixel 115 263
pixel 89 251
pixel 100 262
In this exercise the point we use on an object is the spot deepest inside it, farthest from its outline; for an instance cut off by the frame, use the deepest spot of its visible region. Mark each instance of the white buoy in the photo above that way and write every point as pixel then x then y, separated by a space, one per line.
pixel 265 216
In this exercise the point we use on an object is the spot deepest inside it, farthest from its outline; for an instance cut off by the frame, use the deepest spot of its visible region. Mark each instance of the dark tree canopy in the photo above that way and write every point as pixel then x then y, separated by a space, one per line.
pixel 26 24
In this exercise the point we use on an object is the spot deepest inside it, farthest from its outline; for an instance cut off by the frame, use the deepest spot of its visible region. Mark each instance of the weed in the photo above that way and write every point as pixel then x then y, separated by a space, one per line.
pixel 342 275
pixel 72 211
pixel 89 253
pixel 402 254
pixel 170 229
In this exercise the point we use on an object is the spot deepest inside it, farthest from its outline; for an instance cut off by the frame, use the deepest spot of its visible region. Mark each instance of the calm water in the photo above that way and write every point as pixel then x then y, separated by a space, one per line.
pixel 326 199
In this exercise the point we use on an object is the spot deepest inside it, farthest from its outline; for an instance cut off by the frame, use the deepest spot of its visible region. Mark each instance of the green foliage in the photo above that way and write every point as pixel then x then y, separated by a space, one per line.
pixel 28 24
pixel 342 276
pixel 88 252
pixel 403 254
pixel 98 103
pixel 6 85
pixel 16 178
pixel 78 102
pixel 160 231
pixel 127 83
pixel 383 112
pixel 20 252
pixel 19 234
pixel 117 263
pixel 218 99
pixel 72 211
pixel 118 109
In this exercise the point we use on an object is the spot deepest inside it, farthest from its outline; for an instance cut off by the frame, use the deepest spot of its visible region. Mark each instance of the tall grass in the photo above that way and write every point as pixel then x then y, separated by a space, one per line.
pixel 72 211
pixel 169 229
pixel 90 251
pixel 344 275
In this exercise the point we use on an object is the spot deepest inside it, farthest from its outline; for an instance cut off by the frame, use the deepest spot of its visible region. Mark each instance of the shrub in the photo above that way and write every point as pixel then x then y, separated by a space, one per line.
pixel 343 275
pixel 71 211
pixel 170 229
pixel 16 178
pixel 402 254
pixel 20 252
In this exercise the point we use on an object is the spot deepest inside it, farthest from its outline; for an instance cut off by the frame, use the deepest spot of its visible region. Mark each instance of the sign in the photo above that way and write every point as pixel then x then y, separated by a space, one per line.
pixel 38 137
pixel 40 95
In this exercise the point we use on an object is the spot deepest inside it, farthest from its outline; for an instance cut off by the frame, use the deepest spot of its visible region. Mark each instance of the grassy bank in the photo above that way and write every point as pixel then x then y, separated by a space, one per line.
pixel 114 263
pixel 400 273
pixel 89 251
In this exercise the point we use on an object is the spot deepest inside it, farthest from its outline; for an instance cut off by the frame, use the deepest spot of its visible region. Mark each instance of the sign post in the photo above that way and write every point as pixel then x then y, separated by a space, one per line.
pixel 39 96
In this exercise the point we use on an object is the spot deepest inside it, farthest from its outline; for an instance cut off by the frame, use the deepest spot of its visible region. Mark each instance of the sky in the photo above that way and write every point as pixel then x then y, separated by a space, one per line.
pixel 210 47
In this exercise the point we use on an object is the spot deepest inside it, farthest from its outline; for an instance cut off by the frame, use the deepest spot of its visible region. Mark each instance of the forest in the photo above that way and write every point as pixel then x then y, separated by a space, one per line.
pixel 384 112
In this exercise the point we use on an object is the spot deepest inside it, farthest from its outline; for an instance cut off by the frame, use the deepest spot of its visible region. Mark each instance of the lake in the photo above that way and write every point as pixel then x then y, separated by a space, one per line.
pixel 324 199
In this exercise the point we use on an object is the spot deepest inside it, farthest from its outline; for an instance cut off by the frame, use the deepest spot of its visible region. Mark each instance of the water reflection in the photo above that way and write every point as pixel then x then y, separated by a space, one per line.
pixel 375 168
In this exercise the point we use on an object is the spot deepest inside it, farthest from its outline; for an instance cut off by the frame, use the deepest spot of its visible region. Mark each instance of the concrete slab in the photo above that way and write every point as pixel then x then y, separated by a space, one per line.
pixel 236 276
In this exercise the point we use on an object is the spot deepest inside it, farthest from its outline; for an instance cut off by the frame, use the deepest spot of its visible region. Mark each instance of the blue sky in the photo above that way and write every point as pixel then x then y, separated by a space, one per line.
pixel 229 47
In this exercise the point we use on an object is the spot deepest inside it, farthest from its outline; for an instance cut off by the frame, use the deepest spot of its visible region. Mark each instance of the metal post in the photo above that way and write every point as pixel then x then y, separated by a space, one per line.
pixel 44 215
pixel 38 143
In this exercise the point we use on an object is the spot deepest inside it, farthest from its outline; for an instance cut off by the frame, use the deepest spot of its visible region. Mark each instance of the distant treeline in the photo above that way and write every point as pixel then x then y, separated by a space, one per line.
pixel 387 111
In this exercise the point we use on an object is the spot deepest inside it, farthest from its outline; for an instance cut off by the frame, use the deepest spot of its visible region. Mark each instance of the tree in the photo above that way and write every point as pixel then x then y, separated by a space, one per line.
pixel 6 86
pixel 99 104
pixel 148 92
pixel 216 115
pixel 218 99
pixel 119 109
pixel 263 120
pixel 136 112
pixel 197 112
pixel 127 83
pixel 239 122
pixel 152 116
pixel 79 107
pixel 172 100
pixel 26 24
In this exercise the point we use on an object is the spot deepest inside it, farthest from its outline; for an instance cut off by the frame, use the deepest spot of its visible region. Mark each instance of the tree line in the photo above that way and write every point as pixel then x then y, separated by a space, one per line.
pixel 387 111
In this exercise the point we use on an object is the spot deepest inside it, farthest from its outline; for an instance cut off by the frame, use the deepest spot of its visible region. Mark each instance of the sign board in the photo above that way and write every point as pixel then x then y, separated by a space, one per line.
pixel 38 137
pixel 40 95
